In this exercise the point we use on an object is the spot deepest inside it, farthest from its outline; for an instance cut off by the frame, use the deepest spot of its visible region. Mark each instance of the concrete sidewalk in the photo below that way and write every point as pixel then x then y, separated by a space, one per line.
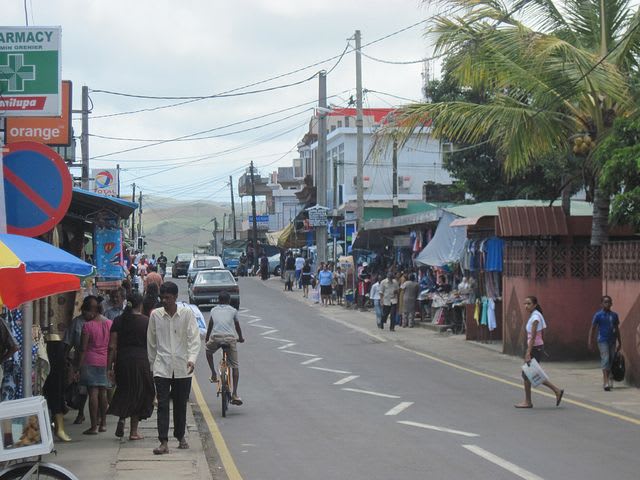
pixel 582 381
pixel 104 456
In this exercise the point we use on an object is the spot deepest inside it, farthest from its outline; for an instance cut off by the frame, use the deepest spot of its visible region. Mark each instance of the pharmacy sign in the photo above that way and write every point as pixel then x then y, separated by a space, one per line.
pixel 30 72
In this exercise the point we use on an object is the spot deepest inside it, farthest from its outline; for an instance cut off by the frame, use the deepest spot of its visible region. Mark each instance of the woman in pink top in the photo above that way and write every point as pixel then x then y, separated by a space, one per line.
pixel 535 348
pixel 93 365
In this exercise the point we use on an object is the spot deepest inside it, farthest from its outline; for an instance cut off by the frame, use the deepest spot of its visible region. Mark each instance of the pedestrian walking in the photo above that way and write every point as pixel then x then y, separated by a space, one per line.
pixel 299 265
pixel 151 299
pixel 128 368
pixel 340 279
pixel 305 278
pixel 173 343
pixel 375 297
pixel 116 303
pixel 289 271
pixel 389 289
pixel 325 278
pixel 409 291
pixel 535 348
pixel 162 265
pixel 93 367
pixel 607 324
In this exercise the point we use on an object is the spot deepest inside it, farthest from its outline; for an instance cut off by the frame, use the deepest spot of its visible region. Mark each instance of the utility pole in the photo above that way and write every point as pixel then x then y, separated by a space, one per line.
pixel 233 209
pixel 84 138
pixel 359 136
pixel 224 226
pixel 118 178
pixel 395 178
pixel 215 235
pixel 140 219
pixel 255 221
pixel 321 165
pixel 133 217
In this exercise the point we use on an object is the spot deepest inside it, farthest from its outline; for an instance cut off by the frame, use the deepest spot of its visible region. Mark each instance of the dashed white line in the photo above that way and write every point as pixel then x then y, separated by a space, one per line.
pixel 266 327
pixel 254 321
pixel 344 380
pixel 368 392
pixel 331 370
pixel 438 429
pixel 276 339
pixel 284 347
pixel 313 360
pixel 300 353
pixel 268 332
pixel 401 407
pixel 501 462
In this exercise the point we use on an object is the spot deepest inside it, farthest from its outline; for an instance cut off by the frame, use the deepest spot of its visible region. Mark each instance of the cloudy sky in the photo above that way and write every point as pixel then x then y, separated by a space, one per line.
pixel 194 48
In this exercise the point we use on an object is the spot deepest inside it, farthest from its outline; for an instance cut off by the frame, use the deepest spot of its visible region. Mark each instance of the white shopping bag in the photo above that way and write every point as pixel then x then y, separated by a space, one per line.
pixel 534 372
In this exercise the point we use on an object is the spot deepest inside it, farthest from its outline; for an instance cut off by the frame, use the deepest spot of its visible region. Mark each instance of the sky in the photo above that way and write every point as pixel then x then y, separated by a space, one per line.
pixel 195 48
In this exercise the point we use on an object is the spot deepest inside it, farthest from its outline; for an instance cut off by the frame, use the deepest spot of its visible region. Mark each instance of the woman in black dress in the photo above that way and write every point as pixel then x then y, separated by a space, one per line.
pixel 128 353
pixel 305 278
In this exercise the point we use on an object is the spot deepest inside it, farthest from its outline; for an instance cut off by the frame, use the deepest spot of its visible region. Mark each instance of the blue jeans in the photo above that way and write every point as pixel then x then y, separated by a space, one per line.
pixel 378 309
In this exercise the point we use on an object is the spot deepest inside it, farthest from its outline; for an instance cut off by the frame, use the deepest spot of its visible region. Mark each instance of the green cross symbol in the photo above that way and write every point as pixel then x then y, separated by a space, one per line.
pixel 15 73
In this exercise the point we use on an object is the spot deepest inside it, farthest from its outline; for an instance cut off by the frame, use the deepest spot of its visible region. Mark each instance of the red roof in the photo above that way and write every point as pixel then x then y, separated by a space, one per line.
pixel 532 221
pixel 378 114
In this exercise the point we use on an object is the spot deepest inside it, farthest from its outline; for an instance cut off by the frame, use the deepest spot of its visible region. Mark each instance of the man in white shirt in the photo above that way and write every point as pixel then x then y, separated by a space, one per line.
pixel 299 264
pixel 374 294
pixel 173 342
pixel 224 326
pixel 389 289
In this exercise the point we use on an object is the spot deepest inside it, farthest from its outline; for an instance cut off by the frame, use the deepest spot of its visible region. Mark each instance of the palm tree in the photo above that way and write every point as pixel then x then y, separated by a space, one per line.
pixel 557 73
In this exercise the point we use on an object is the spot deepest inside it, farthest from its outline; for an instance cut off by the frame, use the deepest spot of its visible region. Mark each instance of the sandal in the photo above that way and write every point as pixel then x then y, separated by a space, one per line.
pixel 559 398
pixel 183 445
pixel 161 450
pixel 235 400
pixel 79 419
pixel 90 431
pixel 102 428
pixel 136 437
pixel 523 405
pixel 120 429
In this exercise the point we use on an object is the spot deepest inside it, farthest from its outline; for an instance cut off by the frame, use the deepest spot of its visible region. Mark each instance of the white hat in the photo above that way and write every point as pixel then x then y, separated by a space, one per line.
pixel 365 264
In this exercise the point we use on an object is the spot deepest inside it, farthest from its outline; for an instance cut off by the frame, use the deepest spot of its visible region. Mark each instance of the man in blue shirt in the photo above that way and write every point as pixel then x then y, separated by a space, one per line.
pixel 325 277
pixel 609 342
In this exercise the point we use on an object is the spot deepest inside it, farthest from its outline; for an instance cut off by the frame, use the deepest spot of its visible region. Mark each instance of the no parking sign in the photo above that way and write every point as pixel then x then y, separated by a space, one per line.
pixel 37 187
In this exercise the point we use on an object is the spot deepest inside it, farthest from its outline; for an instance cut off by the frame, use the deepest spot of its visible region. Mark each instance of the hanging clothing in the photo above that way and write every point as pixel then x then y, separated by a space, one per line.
pixel 485 307
pixel 491 314
pixel 476 312
pixel 493 259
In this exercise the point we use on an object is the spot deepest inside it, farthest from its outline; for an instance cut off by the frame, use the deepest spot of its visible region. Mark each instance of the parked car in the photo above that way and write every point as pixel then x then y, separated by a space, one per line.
pixel 209 284
pixel 274 264
pixel 180 264
pixel 203 262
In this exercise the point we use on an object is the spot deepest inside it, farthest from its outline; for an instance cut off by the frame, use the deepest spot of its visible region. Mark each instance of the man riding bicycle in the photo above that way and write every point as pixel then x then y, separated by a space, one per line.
pixel 222 330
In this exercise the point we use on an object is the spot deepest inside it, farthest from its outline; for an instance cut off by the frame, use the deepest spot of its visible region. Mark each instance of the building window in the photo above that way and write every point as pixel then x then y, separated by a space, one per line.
pixel 333 127
pixel 339 123
pixel 346 122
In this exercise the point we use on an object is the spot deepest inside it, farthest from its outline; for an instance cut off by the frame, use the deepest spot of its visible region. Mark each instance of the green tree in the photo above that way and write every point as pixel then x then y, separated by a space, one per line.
pixel 557 73
pixel 619 156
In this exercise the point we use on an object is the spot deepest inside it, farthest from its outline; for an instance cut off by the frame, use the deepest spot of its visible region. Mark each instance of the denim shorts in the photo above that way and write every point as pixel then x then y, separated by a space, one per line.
pixel 607 351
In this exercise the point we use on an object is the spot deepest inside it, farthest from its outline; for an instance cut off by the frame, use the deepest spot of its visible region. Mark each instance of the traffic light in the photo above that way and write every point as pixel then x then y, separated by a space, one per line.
pixel 141 244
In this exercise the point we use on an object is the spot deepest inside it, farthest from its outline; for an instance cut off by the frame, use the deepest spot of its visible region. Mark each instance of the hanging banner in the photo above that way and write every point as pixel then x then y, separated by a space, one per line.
pixel 108 253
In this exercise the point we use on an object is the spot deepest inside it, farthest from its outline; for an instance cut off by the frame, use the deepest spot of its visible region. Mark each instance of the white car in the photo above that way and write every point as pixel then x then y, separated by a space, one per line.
pixel 203 262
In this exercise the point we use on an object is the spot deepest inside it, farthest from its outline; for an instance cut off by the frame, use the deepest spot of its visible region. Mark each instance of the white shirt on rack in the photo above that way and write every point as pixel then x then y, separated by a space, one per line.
pixel 172 342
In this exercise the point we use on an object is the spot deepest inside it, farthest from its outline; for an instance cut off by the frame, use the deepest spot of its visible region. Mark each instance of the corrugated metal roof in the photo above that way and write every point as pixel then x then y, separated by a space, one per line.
pixel 490 209
pixel 532 221
pixel 465 222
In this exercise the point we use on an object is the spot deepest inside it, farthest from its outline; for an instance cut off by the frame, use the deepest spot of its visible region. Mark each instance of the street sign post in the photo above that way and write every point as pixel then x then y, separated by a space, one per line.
pixel 30 72
pixel 37 187
pixel 317 216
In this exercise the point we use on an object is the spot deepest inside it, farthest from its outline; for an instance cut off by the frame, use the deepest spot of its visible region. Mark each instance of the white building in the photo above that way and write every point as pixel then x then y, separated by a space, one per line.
pixel 419 161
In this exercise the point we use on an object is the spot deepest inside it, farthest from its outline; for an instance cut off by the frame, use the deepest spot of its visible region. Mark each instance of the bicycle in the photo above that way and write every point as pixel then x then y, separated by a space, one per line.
pixel 36 469
pixel 224 380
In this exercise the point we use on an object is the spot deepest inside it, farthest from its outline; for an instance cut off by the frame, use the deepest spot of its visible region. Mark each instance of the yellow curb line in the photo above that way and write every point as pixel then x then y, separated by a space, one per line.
pixel 225 455
pixel 609 413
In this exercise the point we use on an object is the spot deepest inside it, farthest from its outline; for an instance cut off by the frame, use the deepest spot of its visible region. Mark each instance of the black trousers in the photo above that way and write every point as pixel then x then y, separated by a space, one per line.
pixel 176 390
pixel 389 310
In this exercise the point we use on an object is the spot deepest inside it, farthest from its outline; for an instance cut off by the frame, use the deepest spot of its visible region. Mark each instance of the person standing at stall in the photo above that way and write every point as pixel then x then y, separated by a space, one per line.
pixel 409 290
pixel 389 289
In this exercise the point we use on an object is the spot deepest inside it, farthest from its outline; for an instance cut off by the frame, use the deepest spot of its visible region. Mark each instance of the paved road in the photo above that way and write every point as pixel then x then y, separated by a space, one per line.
pixel 323 400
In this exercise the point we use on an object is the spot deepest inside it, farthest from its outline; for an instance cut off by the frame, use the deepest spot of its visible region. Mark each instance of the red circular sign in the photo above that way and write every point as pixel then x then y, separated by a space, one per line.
pixel 38 188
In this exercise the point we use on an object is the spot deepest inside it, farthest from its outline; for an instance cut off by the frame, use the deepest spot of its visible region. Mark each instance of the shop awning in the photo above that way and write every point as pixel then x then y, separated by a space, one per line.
pixel 272 237
pixel 446 245
pixel 404 220
pixel 85 202
pixel 465 222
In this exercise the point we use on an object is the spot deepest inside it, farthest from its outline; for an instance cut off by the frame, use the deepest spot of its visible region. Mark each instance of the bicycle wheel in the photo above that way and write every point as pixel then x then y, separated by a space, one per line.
pixel 45 471
pixel 224 386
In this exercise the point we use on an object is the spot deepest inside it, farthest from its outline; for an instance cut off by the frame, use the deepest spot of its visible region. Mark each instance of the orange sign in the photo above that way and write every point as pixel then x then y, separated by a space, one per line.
pixel 54 131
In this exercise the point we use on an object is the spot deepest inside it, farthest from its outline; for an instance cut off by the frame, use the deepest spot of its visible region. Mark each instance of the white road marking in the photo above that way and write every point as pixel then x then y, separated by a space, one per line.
pixel 277 339
pixel 401 407
pixel 288 345
pixel 266 327
pixel 300 353
pixel 254 321
pixel 501 462
pixel 368 392
pixel 313 360
pixel 439 429
pixel 331 370
pixel 268 332
pixel 344 380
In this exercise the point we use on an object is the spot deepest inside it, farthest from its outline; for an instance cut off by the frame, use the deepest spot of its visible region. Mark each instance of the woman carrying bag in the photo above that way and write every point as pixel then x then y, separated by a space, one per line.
pixel 535 348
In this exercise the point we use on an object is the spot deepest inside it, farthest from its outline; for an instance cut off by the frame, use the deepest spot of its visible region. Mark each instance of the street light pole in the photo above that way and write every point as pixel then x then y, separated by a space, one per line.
pixel 359 136
pixel 321 165
pixel 255 221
